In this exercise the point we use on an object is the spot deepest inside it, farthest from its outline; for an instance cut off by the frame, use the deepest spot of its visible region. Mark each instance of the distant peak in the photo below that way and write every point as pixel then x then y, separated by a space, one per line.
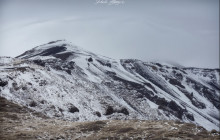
pixel 51 42
pixel 54 49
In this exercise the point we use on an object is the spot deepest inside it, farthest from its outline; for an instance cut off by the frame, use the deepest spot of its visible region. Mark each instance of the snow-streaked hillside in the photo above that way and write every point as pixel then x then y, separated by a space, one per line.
pixel 67 82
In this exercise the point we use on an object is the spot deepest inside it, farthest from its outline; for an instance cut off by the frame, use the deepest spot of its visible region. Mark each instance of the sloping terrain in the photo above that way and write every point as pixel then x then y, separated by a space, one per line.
pixel 20 123
pixel 65 82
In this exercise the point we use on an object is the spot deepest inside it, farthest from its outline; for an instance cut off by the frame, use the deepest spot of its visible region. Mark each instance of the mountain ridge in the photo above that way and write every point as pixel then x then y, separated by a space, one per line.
pixel 85 86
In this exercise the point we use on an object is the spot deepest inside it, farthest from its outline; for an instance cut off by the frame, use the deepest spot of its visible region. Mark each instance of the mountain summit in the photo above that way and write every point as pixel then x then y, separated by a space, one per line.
pixel 66 82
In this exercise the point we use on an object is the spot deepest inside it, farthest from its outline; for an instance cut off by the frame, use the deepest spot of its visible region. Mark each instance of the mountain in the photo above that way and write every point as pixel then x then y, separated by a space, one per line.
pixel 66 82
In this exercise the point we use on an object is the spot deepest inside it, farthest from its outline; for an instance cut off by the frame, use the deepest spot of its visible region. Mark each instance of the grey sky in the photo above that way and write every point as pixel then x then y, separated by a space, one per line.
pixel 182 31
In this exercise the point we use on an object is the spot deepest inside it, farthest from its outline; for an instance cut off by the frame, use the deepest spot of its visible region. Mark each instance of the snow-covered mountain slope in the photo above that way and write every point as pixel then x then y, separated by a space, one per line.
pixel 67 82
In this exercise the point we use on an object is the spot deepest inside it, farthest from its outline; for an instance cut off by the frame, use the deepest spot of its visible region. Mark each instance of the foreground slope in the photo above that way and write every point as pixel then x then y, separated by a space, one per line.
pixel 19 123
pixel 66 82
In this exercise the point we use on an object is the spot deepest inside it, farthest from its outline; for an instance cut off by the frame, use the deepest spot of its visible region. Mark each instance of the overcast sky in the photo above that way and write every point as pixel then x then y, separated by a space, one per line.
pixel 181 31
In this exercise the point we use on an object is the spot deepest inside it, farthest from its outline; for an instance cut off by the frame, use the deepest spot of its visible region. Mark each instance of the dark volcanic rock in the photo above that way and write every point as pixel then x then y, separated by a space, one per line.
pixel 3 83
pixel 53 50
pixel 176 83
pixel 90 59
pixel 63 56
pixel 73 109
pixel 124 111
pixel 109 110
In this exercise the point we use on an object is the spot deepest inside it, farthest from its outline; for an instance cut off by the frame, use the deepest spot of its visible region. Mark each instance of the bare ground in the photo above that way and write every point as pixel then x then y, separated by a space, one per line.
pixel 20 123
